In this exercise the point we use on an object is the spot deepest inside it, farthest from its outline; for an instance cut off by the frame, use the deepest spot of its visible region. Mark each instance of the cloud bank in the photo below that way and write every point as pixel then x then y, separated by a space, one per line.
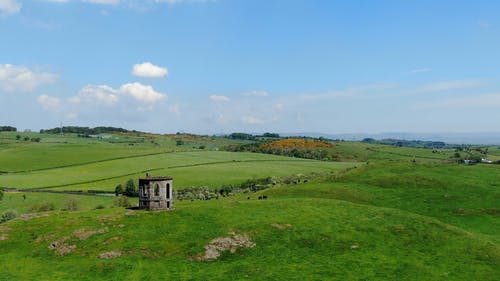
pixel 17 78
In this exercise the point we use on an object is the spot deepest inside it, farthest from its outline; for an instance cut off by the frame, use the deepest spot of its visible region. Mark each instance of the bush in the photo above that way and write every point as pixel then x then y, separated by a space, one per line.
pixel 72 204
pixel 8 215
pixel 1 194
pixel 121 201
pixel 99 207
pixel 119 190
pixel 42 207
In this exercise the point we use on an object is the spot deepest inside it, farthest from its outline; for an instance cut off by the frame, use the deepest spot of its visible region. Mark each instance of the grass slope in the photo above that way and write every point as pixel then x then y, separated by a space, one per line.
pixel 391 244
pixel 465 196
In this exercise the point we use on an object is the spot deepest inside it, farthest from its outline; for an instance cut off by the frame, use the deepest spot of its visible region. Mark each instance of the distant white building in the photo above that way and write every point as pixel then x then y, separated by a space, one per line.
pixel 486 160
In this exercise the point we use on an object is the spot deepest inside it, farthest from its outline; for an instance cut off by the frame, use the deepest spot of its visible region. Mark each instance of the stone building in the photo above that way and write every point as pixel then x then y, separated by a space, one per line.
pixel 155 193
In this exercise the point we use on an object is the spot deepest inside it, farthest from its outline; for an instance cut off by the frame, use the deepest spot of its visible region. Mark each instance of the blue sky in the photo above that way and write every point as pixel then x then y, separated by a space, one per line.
pixel 232 65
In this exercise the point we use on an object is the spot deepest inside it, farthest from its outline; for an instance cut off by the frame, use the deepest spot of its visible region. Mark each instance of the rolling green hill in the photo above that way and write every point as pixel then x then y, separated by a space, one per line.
pixel 401 214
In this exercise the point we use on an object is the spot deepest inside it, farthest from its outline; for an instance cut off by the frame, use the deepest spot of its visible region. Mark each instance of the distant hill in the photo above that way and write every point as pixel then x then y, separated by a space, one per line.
pixel 490 138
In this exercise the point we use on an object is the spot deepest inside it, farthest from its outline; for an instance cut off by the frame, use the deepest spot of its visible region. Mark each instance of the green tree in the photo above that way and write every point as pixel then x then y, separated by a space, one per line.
pixel 118 190
pixel 18 137
pixel 130 189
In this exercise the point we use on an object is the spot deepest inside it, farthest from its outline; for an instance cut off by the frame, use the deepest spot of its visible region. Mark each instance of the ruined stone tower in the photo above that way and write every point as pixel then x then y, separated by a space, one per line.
pixel 155 193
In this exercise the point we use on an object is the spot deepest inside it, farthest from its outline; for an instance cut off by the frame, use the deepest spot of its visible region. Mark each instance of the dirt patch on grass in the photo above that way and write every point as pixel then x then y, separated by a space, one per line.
pixel 219 245
pixel 4 237
pixel 116 254
pixel 109 218
pixel 61 247
pixel 110 255
pixel 492 211
pixel 26 217
pixel 5 229
pixel 44 238
pixel 281 226
pixel 84 234
pixel 111 240
pixel 146 253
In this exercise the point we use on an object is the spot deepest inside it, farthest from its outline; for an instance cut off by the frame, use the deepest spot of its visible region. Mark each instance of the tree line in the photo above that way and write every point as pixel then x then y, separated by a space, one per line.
pixel 8 129
pixel 86 130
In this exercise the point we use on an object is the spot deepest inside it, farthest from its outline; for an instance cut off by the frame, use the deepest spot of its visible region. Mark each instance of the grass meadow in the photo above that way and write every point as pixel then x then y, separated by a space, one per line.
pixel 383 213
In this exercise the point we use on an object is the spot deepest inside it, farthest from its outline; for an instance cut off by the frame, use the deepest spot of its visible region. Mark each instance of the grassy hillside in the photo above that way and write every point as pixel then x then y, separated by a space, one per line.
pixel 464 196
pixel 295 239
pixel 385 214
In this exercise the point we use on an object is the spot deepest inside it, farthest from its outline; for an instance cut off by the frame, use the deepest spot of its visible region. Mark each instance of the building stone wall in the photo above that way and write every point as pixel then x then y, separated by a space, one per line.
pixel 156 193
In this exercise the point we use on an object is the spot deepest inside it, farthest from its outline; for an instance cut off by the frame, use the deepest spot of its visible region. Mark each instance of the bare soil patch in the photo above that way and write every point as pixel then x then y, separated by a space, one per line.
pixel 44 238
pixel 61 247
pixel 116 254
pixel 5 229
pixel 281 226
pixel 84 234
pixel 26 217
pixel 231 243
pixel 110 255
pixel 111 240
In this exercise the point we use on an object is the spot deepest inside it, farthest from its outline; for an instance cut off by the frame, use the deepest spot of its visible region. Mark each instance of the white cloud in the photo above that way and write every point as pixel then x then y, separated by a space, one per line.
pixel 15 78
pixel 218 98
pixel 349 92
pixel 449 85
pixel 252 120
pixel 48 102
pixel 486 100
pixel 420 70
pixel 142 93
pixel 256 94
pixel 104 2
pixel 149 70
pixel 8 7
pixel 102 94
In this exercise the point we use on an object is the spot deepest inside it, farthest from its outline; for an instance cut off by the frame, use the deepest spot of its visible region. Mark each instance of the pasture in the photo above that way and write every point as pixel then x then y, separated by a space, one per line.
pixel 386 213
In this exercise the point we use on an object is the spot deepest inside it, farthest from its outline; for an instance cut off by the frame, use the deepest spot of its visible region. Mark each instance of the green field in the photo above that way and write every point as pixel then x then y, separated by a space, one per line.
pixel 207 168
pixel 385 214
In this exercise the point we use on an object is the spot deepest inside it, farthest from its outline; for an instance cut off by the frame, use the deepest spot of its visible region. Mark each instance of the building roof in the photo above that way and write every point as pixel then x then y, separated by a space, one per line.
pixel 155 178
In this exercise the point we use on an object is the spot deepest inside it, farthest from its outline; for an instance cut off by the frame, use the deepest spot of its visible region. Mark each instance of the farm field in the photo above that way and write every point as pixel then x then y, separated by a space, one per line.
pixel 190 168
pixel 398 212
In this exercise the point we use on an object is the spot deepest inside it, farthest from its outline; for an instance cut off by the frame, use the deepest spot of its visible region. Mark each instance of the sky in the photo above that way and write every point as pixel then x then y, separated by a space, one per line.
pixel 222 66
